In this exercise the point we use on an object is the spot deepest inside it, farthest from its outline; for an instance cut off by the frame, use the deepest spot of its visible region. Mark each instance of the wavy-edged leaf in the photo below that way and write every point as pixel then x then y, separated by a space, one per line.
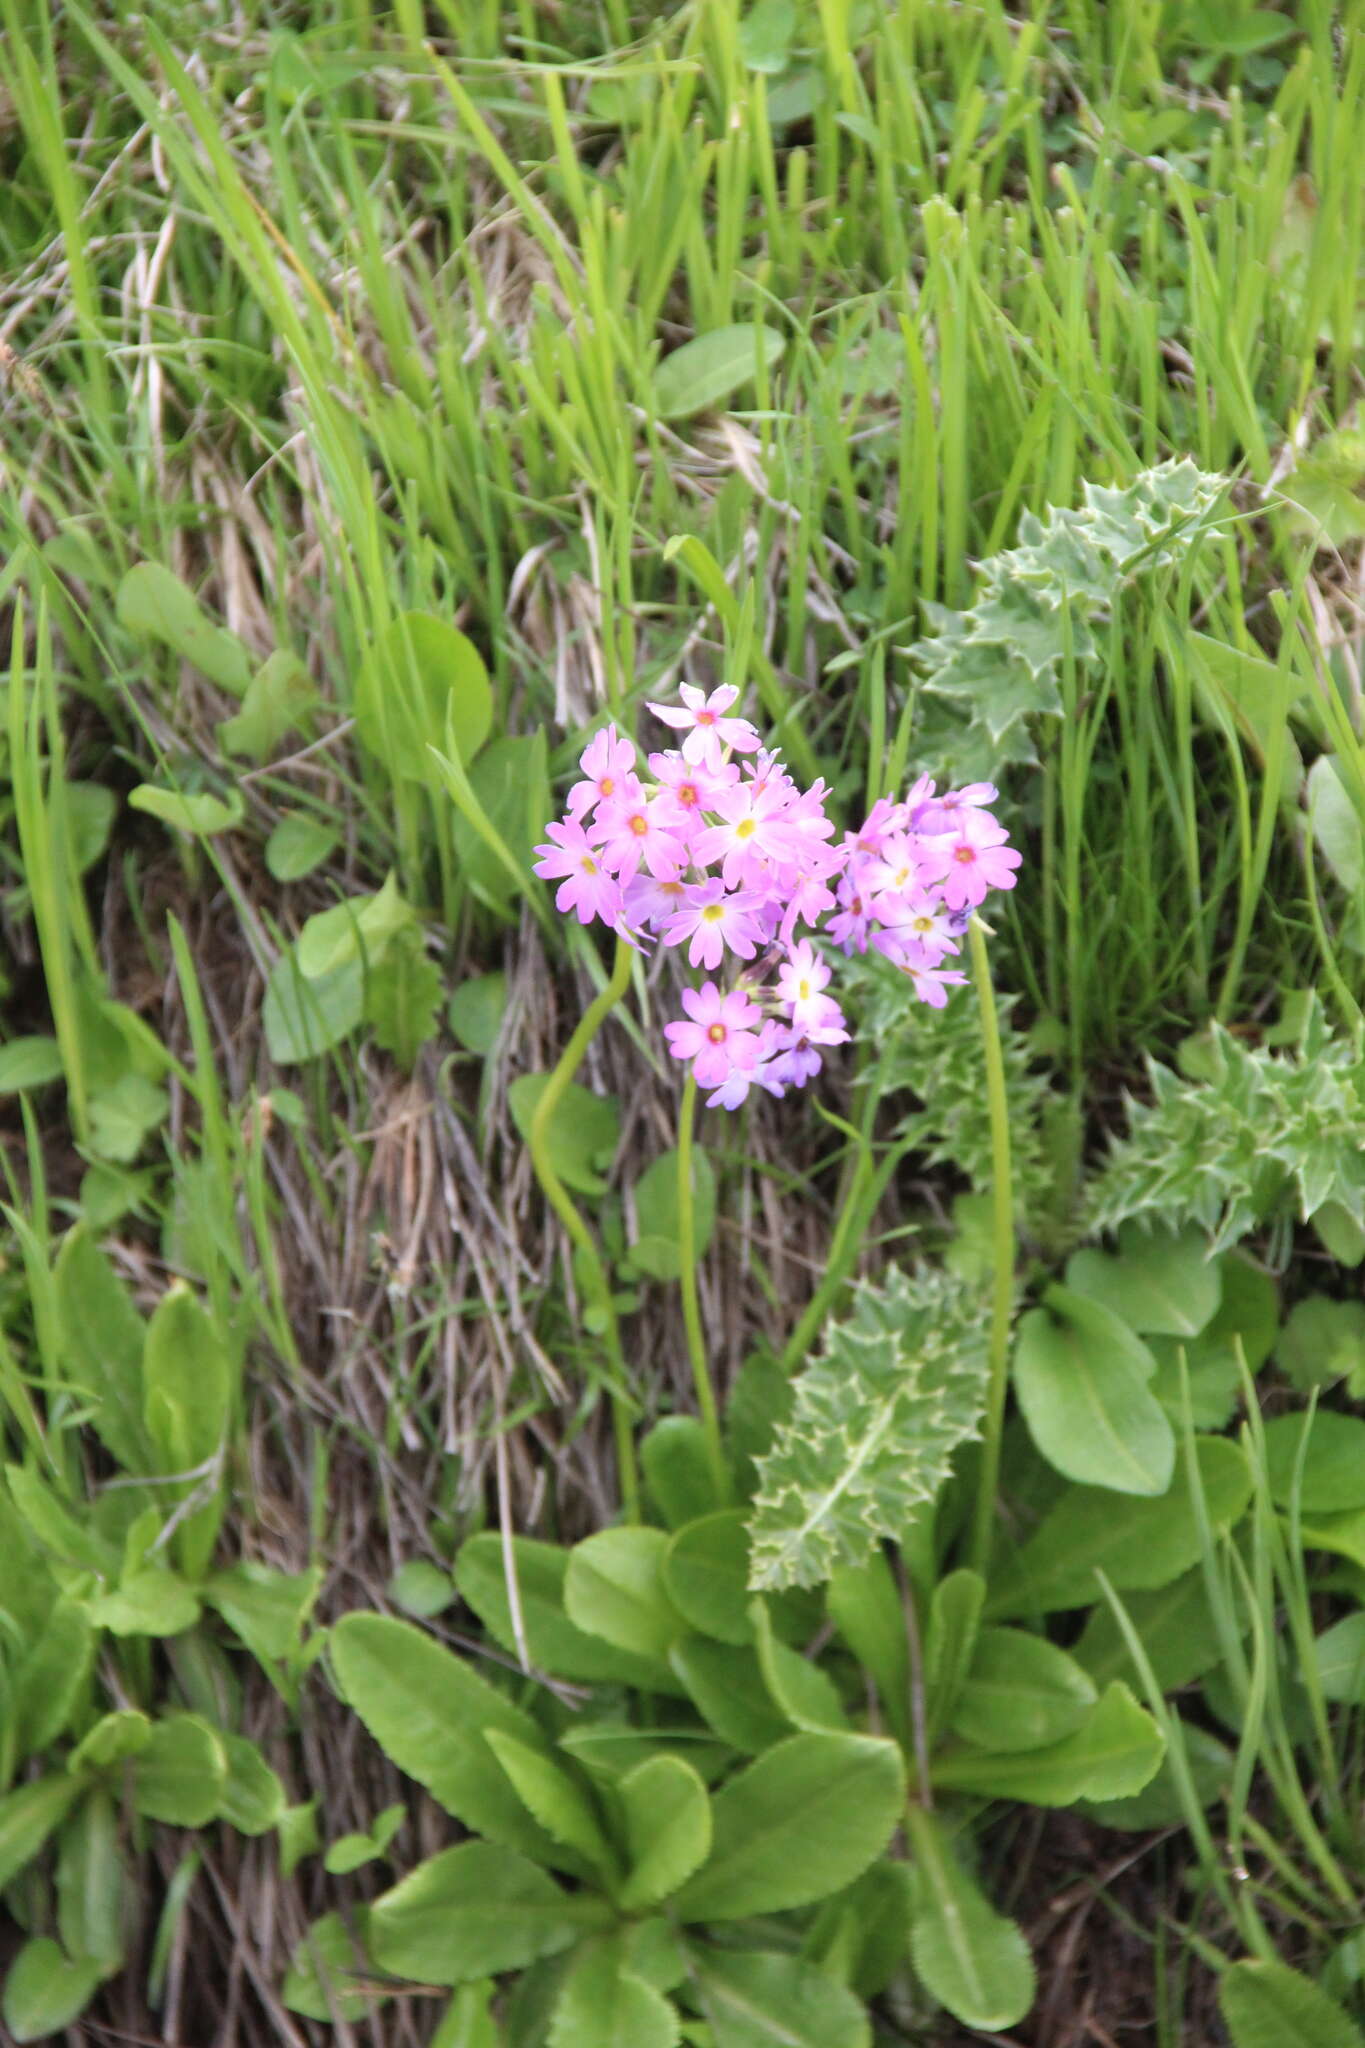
pixel 553 1798
pixel 552 1642
pixel 605 2004
pixel 474 1911
pixel 973 1960
pixel 1112 1755
pixel 429 1711
pixel 1268 2005
pixel 668 1827
pixel 874 1425
pixel 800 1823
pixel 757 1999
pixel 1020 1692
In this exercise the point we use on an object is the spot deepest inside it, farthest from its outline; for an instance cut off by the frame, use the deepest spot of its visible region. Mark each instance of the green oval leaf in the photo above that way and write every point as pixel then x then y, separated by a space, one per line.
pixel 656 1247
pixel 199 814
pixel 180 1772
pixel 303 1018
pixel 583 1131
pixel 711 367
pixel 758 1999
pixel 802 1822
pixel 29 1063
pixel 668 1827
pixel 1080 1375
pixel 605 2004
pixel 973 1960
pixel 1138 1543
pixel 297 845
pixel 1162 1283
pixel 677 1465
pixel 472 1912
pixel 419 675
pixel 614 1588
pixel 430 1712
pixel 27 1818
pixel 706 1571
pixel 331 1977
pixel 727 1688
pixel 1020 1692
pixel 252 1799
pixel 92 1882
pixel 1268 2005
pixel 552 1642
pixel 156 604
pixel 1112 1755
pixel 45 1989
pixel 1339 1653
pixel 1332 1447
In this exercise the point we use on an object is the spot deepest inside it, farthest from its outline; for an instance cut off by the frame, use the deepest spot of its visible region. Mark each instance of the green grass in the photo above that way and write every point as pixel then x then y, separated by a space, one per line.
pixel 345 313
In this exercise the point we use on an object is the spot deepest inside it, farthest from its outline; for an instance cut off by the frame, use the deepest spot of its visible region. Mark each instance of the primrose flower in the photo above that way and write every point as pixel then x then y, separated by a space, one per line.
pixel 713 920
pixel 634 832
pixel 972 864
pixel 937 815
pixel 922 935
pixel 720 1035
pixel 587 887
pixel 607 764
pixel 800 980
pixel 715 847
pixel 704 721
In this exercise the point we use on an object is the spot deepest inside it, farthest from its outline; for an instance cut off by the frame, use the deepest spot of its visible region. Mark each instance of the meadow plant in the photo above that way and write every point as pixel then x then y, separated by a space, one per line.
pixel 717 848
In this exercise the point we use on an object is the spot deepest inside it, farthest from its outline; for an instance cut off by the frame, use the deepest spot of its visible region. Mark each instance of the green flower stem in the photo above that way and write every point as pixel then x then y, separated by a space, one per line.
pixel 599 1281
pixel 1002 1304
pixel 687 1249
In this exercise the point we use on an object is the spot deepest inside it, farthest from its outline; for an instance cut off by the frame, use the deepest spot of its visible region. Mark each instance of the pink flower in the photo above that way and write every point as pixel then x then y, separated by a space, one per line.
pixel 608 766
pixel 703 719
pixel 851 924
pixel 896 872
pixel 921 935
pixel 719 1036
pixel 946 814
pixel 800 979
pixel 635 832
pixel 687 789
pixel 808 898
pixel 650 900
pixel 587 888
pixel 884 818
pixel 970 865
pixel 931 984
pixel 753 834
pixel 713 920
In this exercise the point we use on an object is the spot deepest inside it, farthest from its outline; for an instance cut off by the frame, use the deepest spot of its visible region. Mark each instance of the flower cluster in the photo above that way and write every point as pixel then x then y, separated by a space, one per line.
pixel 717 849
